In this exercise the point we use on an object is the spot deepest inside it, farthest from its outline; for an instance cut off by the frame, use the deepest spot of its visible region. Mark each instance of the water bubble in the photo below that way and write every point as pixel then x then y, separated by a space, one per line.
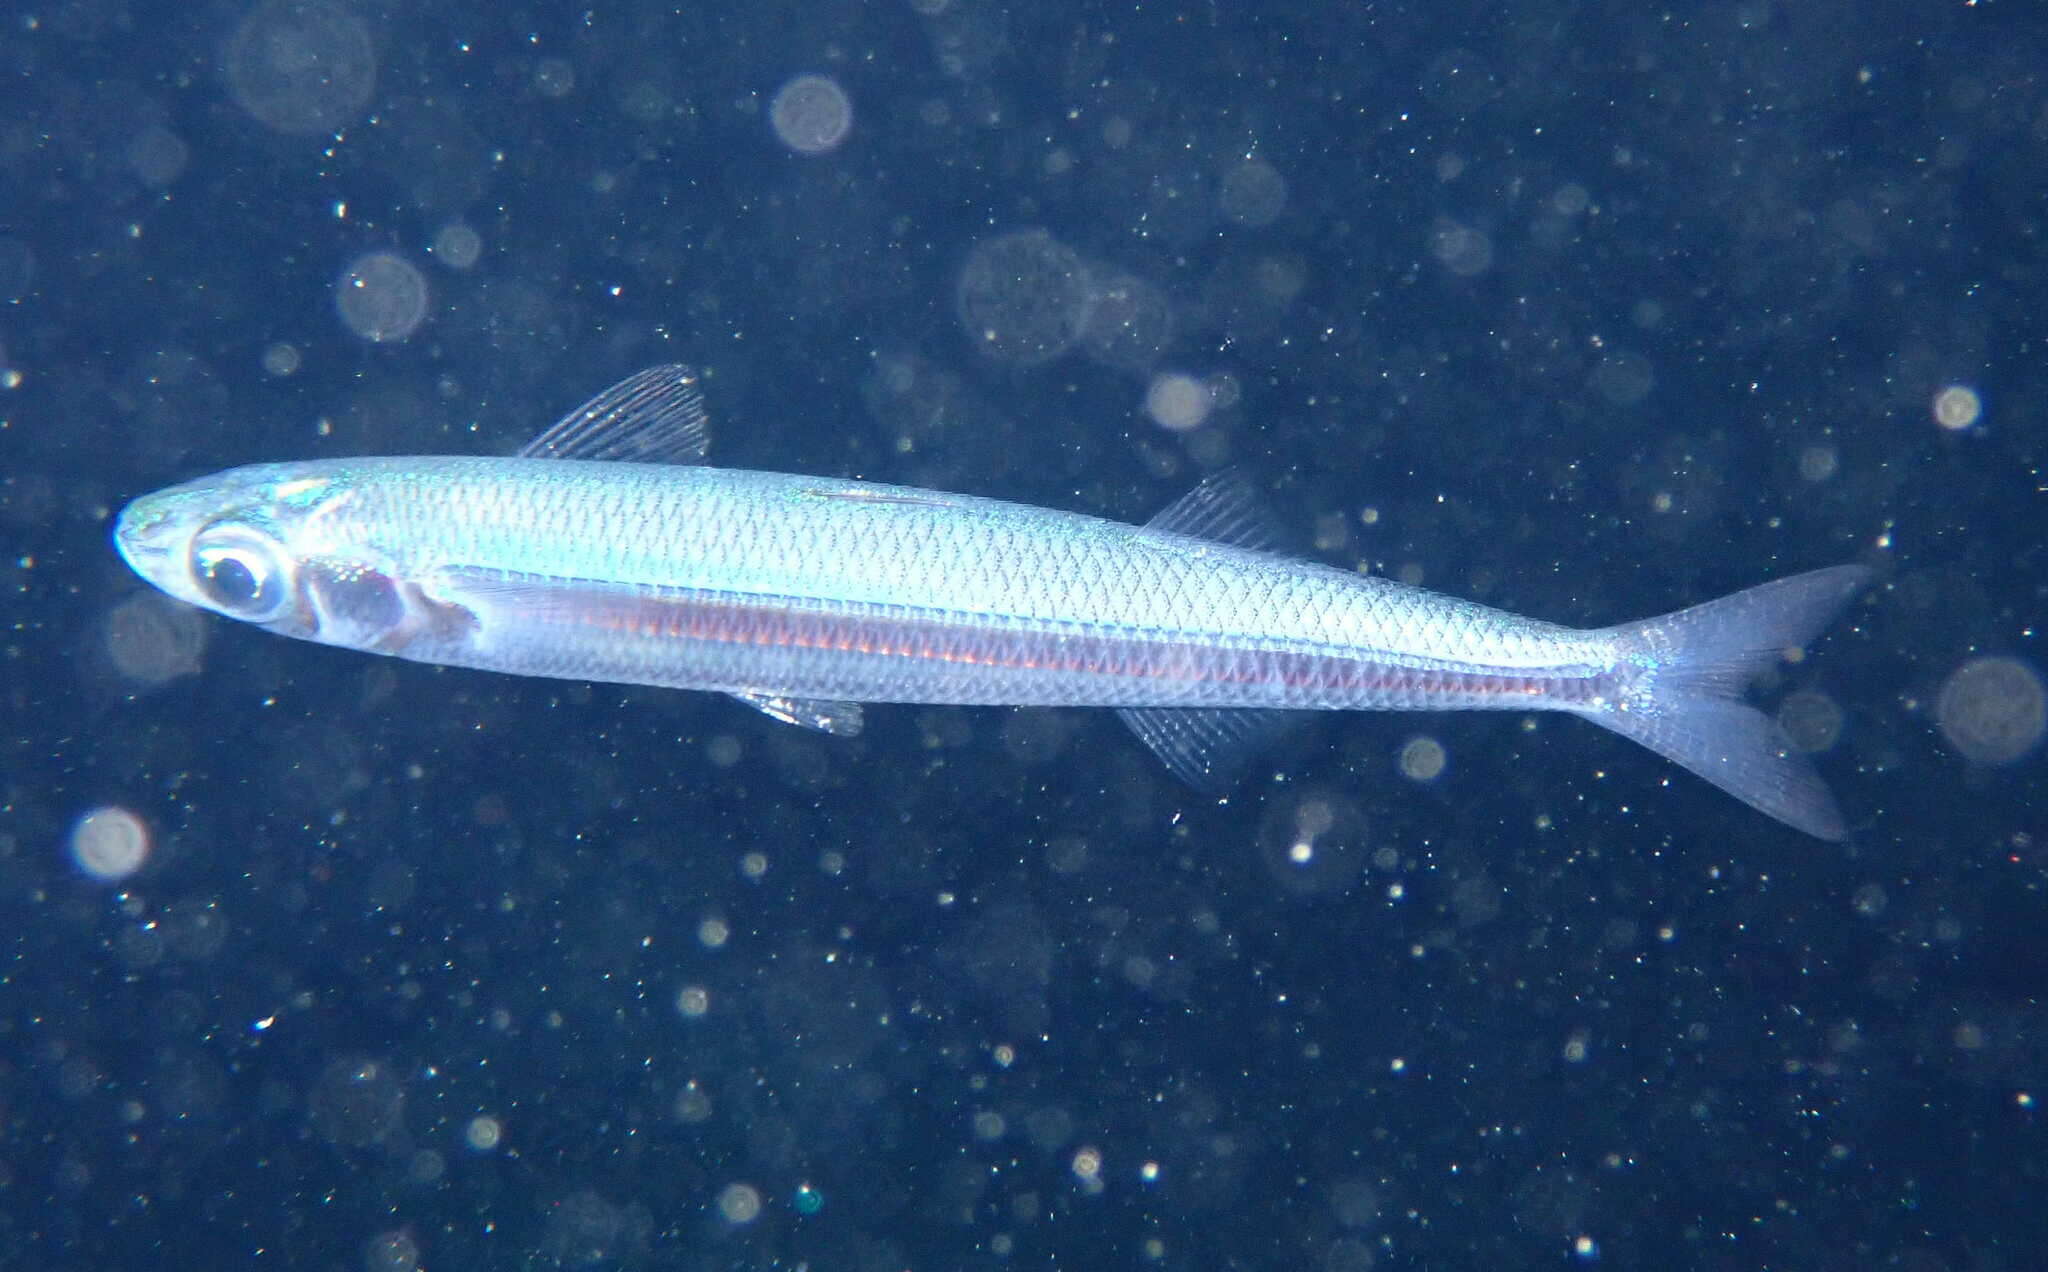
pixel 1024 297
pixel 811 114
pixel 110 844
pixel 1993 710
pixel 382 297
pixel 301 67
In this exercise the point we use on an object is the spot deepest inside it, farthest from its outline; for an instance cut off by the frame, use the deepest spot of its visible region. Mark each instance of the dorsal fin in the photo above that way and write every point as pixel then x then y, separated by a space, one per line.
pixel 655 416
pixel 1223 508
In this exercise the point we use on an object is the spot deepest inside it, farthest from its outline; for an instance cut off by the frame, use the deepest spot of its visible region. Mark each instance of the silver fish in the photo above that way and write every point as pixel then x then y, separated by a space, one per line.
pixel 602 552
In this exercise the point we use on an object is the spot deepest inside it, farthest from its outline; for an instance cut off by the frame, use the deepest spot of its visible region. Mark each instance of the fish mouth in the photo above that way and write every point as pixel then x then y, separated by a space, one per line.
pixel 141 534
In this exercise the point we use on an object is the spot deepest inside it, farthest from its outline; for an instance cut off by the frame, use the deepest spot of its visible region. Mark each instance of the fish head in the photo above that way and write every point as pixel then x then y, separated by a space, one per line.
pixel 269 545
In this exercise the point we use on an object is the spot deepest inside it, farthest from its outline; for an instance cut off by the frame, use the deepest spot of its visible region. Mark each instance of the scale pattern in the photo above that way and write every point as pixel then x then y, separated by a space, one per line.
pixel 726 579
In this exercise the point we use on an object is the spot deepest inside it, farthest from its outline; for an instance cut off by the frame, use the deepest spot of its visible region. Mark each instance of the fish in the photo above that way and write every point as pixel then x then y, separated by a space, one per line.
pixel 606 551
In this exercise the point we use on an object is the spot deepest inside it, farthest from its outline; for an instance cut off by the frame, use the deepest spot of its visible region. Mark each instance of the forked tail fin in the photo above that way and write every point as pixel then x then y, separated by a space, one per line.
pixel 1687 705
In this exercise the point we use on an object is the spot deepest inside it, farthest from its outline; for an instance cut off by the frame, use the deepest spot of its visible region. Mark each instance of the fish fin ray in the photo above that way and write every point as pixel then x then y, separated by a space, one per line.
pixel 1699 662
pixel 655 416
pixel 1222 508
pixel 1209 748
pixel 826 715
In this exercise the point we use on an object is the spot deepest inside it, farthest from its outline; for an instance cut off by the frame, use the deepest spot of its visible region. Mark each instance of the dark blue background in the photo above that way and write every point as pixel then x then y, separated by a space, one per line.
pixel 1608 1003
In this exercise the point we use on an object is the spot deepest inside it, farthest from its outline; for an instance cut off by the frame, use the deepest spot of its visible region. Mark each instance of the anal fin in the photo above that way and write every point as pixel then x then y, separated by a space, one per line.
pixel 826 715
pixel 1209 748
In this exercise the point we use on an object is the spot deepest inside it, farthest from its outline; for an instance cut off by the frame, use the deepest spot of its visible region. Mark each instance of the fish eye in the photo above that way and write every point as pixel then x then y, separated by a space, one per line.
pixel 240 572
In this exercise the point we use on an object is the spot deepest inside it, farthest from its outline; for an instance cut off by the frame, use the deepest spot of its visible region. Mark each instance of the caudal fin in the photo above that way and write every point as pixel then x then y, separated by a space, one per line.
pixel 1697 662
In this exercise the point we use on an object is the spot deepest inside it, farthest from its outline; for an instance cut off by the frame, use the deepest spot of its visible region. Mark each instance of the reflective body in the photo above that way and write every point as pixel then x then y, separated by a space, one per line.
pixel 801 592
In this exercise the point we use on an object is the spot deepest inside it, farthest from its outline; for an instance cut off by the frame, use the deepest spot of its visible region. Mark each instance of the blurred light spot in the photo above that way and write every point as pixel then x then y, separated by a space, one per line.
pixel 713 932
pixel 1957 407
pixel 1313 843
pixel 110 843
pixel 1354 1203
pixel 723 751
pixel 395 1251
pixel 17 269
pixel 281 359
pixel 693 1001
pixel 1811 719
pixel 1280 278
pixel 1422 759
pixel 357 1102
pixel 1458 80
pixel 1254 193
pixel 1993 710
pixel 382 297
pixel 1624 378
pixel 483 1133
pixel 807 1200
pixel 811 114
pixel 739 1203
pixel 157 156
pixel 1819 462
pixel 584 1230
pixel 1087 1167
pixel 457 245
pixel 554 77
pixel 693 1104
pixel 1130 323
pixel 1024 297
pixel 1178 401
pixel 152 639
pixel 301 67
pixel 1461 249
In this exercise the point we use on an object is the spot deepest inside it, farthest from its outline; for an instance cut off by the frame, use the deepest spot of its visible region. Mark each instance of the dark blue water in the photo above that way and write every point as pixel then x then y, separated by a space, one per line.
pixel 1586 311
